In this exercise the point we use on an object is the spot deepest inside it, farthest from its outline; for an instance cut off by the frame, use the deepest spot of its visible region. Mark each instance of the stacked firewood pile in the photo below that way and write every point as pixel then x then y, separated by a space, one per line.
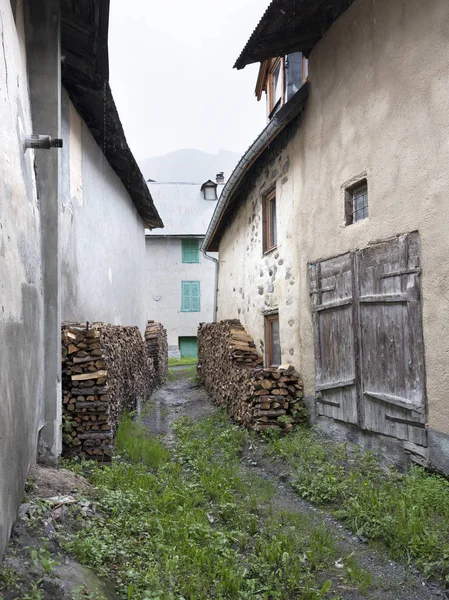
pixel 156 339
pixel 105 368
pixel 231 370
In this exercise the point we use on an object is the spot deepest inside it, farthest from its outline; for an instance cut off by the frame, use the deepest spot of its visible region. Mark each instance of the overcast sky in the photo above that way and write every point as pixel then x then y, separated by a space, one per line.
pixel 172 78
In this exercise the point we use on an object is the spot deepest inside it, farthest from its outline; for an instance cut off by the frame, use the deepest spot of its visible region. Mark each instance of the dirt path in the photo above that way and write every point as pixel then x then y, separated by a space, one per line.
pixel 182 395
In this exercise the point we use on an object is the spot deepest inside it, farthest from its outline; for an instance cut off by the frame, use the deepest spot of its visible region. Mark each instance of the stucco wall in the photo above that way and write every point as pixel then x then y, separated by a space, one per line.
pixel 21 312
pixel 251 282
pixel 378 104
pixel 164 272
pixel 103 242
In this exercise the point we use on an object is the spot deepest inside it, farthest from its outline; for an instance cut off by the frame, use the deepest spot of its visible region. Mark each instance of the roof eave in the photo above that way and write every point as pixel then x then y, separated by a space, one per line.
pixel 290 26
pixel 85 76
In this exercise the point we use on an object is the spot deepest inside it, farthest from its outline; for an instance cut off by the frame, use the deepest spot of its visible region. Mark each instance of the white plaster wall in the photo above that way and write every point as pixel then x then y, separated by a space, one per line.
pixel 103 242
pixel 164 272
pixel 21 294
pixel 379 103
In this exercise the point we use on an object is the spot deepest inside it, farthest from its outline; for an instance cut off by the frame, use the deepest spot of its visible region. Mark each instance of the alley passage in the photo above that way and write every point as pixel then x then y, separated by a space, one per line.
pixel 220 520
pixel 194 507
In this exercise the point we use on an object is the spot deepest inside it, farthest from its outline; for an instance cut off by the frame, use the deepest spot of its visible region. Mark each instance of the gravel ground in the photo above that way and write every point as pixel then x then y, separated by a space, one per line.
pixel 182 395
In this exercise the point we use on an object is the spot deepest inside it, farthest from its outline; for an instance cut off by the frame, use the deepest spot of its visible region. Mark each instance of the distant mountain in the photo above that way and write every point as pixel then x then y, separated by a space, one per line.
pixel 189 166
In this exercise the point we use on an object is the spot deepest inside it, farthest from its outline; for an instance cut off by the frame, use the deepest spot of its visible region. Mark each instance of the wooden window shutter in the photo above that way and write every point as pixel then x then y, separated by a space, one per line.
pixel 186 304
pixel 195 288
pixel 190 251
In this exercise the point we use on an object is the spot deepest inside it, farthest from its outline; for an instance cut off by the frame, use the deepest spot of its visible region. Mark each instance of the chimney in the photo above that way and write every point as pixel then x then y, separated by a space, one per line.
pixel 220 177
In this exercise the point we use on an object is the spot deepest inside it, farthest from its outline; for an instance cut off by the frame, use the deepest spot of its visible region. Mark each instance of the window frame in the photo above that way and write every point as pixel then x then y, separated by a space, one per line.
pixel 350 197
pixel 269 320
pixel 305 69
pixel 183 296
pixel 267 234
pixel 272 103
pixel 188 251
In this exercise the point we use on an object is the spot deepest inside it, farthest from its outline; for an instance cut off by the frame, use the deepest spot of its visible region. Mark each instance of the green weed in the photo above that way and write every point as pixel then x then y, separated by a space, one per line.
pixel 408 513
pixel 34 593
pixel 138 445
pixel 42 559
pixel 8 579
pixel 192 526
pixel 188 372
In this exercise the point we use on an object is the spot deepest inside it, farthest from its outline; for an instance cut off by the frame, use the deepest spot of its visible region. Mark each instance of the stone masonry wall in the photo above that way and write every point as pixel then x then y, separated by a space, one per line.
pixel 231 370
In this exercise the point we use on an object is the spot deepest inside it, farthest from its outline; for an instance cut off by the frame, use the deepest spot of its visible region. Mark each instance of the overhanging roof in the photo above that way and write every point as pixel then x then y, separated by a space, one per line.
pixel 85 75
pixel 290 26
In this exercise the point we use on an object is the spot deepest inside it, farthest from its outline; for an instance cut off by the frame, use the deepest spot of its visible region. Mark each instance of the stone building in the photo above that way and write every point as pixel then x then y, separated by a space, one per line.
pixel 72 219
pixel 332 230
pixel 181 280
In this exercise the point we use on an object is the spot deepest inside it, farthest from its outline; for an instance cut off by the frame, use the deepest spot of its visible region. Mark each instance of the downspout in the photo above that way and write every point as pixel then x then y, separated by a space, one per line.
pixel 217 266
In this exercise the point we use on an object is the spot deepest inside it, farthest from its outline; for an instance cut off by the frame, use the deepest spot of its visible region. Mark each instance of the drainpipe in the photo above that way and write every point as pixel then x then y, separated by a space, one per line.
pixel 217 266
pixel 43 35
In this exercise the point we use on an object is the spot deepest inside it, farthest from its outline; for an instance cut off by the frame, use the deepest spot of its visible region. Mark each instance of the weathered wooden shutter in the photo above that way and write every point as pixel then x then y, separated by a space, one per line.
pixel 195 289
pixel 335 346
pixel 369 344
pixel 186 304
pixel 392 365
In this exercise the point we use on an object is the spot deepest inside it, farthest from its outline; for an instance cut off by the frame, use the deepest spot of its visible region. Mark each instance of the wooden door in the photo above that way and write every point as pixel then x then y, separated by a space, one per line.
pixel 188 347
pixel 392 350
pixel 333 319
pixel 369 349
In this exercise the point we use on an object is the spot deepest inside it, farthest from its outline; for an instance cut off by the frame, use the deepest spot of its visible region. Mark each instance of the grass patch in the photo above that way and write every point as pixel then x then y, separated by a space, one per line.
pixel 188 372
pixel 192 526
pixel 138 445
pixel 176 362
pixel 408 513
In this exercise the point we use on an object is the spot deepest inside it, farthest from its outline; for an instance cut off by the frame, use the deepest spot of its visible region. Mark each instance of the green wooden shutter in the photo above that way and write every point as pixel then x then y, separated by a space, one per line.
pixel 186 304
pixel 190 296
pixel 195 288
pixel 190 251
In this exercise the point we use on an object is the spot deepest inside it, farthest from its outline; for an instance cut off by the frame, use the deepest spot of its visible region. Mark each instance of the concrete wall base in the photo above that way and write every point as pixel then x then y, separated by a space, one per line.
pixel 438 450
pixel 389 451
pixel 173 352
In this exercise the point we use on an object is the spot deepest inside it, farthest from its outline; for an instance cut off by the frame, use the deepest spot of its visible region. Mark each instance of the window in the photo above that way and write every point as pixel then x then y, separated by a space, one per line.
pixel 276 85
pixel 210 193
pixel 190 251
pixel 272 341
pixel 269 222
pixel 209 189
pixel 190 301
pixel 356 202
